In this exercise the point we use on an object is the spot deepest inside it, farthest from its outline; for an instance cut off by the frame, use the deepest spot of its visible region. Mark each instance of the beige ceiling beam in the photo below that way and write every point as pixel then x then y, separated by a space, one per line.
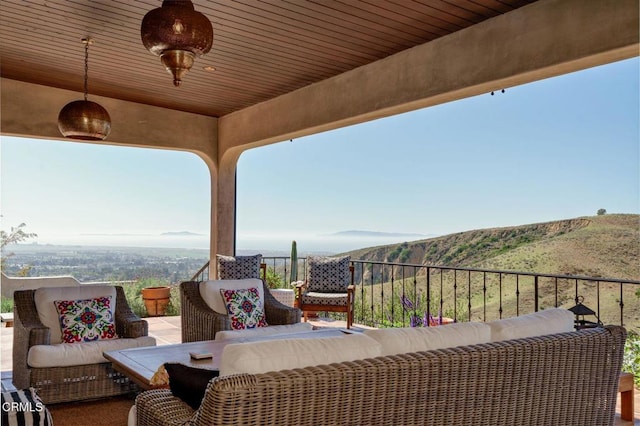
pixel 31 110
pixel 541 40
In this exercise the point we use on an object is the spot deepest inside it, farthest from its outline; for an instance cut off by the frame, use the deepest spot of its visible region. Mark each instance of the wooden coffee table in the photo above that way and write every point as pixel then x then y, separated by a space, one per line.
pixel 140 364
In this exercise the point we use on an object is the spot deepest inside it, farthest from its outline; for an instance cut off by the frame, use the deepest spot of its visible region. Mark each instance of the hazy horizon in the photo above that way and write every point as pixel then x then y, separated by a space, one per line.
pixel 317 243
pixel 333 243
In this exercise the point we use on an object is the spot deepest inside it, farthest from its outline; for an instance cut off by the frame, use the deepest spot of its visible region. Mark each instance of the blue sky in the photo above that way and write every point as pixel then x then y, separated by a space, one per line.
pixel 554 149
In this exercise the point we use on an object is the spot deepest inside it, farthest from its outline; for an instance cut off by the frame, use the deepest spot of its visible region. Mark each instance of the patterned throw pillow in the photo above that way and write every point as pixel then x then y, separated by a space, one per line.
pixel 328 274
pixel 86 320
pixel 245 308
pixel 238 267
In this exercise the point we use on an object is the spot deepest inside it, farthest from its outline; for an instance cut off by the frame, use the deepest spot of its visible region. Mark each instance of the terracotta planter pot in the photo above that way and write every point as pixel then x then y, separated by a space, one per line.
pixel 156 300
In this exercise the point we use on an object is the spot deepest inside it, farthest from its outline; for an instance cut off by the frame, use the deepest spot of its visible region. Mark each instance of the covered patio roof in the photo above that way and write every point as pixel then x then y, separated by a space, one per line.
pixel 287 69
pixel 261 50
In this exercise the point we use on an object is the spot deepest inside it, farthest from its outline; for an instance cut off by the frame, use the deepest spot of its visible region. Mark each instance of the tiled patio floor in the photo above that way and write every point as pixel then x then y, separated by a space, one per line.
pixel 166 330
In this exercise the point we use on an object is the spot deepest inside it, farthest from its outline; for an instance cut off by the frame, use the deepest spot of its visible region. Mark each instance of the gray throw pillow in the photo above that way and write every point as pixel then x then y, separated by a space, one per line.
pixel 328 274
pixel 189 383
pixel 238 267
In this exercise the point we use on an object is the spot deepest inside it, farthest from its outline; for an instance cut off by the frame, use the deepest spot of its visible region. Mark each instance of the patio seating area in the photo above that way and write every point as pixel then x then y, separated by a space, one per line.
pixel 167 330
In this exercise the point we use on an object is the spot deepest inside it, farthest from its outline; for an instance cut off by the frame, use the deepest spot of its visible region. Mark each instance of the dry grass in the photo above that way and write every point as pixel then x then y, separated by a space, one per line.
pixel 602 246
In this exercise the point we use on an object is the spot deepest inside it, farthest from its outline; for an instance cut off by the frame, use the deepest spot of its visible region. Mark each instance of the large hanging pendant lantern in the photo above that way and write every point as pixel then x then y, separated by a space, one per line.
pixel 84 120
pixel 178 34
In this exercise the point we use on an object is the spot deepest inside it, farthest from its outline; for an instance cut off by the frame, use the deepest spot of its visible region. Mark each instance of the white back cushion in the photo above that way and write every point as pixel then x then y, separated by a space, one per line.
pixel 275 355
pixel 405 340
pixel 210 291
pixel 44 298
pixel 549 321
pixel 272 330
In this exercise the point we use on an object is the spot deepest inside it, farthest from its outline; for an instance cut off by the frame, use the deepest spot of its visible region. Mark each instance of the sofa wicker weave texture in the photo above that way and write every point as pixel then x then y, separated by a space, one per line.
pixel 63 372
pixel 564 378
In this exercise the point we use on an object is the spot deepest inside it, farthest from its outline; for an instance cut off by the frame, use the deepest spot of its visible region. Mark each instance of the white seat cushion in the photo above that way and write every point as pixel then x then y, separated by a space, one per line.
pixel 404 340
pixel 70 354
pixel 275 355
pixel 210 291
pixel 132 418
pixel 330 299
pixel 272 330
pixel 44 298
pixel 548 321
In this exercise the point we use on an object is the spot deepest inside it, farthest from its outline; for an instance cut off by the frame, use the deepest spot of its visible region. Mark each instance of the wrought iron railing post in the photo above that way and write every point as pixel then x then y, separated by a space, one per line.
pixel 621 306
pixel 455 295
pixel 393 311
pixel 484 296
pixel 441 311
pixel 371 292
pixel 362 310
pixel 536 293
pixel 500 291
pixel 415 291
pixel 469 296
pixel 428 314
pixel 517 295
pixel 403 294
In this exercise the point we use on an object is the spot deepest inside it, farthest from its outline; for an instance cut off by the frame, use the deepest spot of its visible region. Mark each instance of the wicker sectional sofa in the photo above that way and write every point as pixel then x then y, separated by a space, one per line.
pixel 566 378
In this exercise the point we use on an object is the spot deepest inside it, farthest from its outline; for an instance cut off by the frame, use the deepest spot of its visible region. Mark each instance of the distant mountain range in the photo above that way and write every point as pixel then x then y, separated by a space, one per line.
pixel 166 234
pixel 375 234
pixel 181 234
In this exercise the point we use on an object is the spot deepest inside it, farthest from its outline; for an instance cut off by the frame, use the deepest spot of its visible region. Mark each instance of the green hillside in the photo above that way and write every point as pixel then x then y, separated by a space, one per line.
pixel 598 246
pixel 606 246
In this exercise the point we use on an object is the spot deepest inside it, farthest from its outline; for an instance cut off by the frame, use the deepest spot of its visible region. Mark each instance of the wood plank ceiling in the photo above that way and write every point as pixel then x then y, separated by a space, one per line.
pixel 261 48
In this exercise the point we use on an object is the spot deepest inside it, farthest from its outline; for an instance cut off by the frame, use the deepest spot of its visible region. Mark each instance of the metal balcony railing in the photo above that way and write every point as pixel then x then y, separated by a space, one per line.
pixel 398 295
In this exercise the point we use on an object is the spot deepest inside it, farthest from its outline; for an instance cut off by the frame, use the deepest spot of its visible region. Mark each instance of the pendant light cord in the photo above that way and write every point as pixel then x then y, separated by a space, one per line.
pixel 86 67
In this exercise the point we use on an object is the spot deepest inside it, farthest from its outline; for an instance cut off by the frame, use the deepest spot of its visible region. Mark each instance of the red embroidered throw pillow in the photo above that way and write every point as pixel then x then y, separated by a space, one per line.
pixel 86 320
pixel 245 308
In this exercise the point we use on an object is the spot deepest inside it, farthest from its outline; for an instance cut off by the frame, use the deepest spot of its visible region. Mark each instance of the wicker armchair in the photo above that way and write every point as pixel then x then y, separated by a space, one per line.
pixel 71 383
pixel 200 322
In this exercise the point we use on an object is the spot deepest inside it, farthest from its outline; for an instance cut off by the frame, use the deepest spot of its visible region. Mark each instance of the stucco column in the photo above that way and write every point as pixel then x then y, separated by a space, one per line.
pixel 226 202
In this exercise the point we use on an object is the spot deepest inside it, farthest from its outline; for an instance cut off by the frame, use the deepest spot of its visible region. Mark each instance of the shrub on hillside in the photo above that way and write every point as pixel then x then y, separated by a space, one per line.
pixel 7 304
pixel 631 360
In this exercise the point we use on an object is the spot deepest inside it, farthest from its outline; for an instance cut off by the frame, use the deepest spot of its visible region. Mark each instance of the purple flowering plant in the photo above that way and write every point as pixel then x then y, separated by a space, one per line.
pixel 415 320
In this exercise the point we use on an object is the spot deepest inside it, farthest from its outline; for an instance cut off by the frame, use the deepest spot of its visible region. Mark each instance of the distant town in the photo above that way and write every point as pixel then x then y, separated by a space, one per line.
pixel 88 263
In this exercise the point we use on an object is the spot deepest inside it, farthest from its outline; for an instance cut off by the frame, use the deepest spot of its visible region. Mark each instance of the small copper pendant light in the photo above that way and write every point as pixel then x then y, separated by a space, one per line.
pixel 84 120
pixel 178 34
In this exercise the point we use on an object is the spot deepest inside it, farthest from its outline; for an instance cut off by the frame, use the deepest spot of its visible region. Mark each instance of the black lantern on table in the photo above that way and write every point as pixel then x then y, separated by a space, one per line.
pixel 580 311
